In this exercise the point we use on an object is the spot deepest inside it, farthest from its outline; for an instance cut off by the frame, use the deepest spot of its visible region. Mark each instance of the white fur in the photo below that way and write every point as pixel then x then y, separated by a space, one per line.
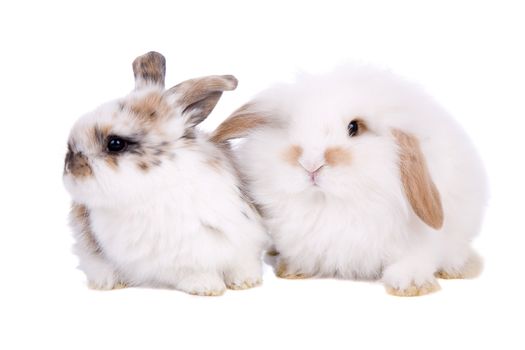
pixel 357 223
pixel 182 224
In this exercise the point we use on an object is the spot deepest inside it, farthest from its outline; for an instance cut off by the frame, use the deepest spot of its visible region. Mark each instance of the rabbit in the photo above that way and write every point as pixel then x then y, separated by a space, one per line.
pixel 360 174
pixel 155 202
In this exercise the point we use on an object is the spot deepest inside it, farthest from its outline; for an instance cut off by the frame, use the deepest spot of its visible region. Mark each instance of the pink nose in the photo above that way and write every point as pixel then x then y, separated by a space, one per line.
pixel 313 172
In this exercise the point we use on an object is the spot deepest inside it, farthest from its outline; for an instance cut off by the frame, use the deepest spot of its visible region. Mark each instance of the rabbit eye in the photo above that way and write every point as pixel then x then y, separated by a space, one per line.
pixel 353 128
pixel 117 144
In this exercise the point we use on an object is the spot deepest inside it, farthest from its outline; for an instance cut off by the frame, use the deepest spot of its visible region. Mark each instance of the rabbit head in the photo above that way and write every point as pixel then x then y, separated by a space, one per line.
pixel 124 149
pixel 348 136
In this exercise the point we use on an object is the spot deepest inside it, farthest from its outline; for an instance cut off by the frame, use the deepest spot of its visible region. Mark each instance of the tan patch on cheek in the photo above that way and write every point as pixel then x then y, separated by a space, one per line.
pixel 112 162
pixel 292 154
pixel 337 156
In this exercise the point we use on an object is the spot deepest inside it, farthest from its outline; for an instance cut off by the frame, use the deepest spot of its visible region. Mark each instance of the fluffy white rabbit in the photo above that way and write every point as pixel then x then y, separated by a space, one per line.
pixel 156 203
pixel 360 174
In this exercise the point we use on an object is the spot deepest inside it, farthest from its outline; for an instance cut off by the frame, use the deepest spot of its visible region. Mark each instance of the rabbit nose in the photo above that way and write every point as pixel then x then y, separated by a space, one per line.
pixel 312 168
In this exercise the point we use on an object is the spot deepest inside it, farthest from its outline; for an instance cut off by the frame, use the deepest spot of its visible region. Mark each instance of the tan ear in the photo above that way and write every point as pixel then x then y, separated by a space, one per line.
pixel 198 97
pixel 239 124
pixel 419 187
pixel 149 69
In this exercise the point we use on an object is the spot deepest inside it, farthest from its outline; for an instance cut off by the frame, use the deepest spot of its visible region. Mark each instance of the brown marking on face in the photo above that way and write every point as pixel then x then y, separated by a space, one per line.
pixel 144 166
pixel 80 216
pixel 77 165
pixel 149 68
pixel 419 188
pixel 111 161
pixel 99 135
pixel 292 154
pixel 150 107
pixel 337 156
pixel 239 124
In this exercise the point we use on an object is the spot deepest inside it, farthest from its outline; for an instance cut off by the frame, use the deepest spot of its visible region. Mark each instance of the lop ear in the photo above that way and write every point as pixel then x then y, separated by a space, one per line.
pixel 240 123
pixel 417 183
pixel 198 97
pixel 149 69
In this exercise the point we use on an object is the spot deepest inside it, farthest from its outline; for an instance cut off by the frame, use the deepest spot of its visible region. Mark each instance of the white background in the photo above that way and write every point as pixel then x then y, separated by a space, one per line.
pixel 59 60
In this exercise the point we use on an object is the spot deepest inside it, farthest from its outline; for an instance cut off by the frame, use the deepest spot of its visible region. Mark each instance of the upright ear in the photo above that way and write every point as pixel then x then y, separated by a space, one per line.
pixel 418 185
pixel 198 97
pixel 149 69
pixel 240 123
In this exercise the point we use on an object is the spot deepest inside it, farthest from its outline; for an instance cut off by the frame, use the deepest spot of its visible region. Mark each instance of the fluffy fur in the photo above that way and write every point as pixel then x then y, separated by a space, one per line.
pixel 169 210
pixel 399 201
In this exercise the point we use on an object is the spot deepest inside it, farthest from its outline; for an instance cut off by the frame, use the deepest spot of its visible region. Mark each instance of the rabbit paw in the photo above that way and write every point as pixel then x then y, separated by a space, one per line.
pixel 414 290
pixel 470 269
pixel 106 285
pixel 409 278
pixel 202 284
pixel 244 284
pixel 282 271
pixel 102 277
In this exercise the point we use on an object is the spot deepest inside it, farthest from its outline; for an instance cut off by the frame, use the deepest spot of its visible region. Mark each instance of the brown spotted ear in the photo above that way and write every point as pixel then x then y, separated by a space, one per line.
pixel 149 69
pixel 198 97
pixel 240 123
pixel 419 187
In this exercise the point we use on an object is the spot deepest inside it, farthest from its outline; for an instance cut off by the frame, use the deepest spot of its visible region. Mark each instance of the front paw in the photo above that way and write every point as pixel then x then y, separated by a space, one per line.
pixel 244 283
pixel 413 290
pixel 409 280
pixel 202 284
pixel 283 271
pixel 246 274
pixel 108 284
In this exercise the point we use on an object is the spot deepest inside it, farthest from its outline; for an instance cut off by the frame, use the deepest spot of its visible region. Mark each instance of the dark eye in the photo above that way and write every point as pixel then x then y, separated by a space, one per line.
pixel 117 144
pixel 353 128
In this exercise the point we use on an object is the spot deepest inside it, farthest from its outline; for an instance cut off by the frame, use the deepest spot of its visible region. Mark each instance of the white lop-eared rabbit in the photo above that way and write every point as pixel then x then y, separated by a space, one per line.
pixel 360 174
pixel 155 202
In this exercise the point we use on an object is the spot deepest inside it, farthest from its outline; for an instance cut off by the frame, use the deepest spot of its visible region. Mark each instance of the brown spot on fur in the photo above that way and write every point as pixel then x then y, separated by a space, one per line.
pixel 189 134
pixel 215 163
pixel 150 107
pixel 292 154
pixel 100 134
pixel 149 68
pixel 239 124
pixel 419 188
pixel 111 161
pixel 143 166
pixel 77 165
pixel 337 156
pixel 80 215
